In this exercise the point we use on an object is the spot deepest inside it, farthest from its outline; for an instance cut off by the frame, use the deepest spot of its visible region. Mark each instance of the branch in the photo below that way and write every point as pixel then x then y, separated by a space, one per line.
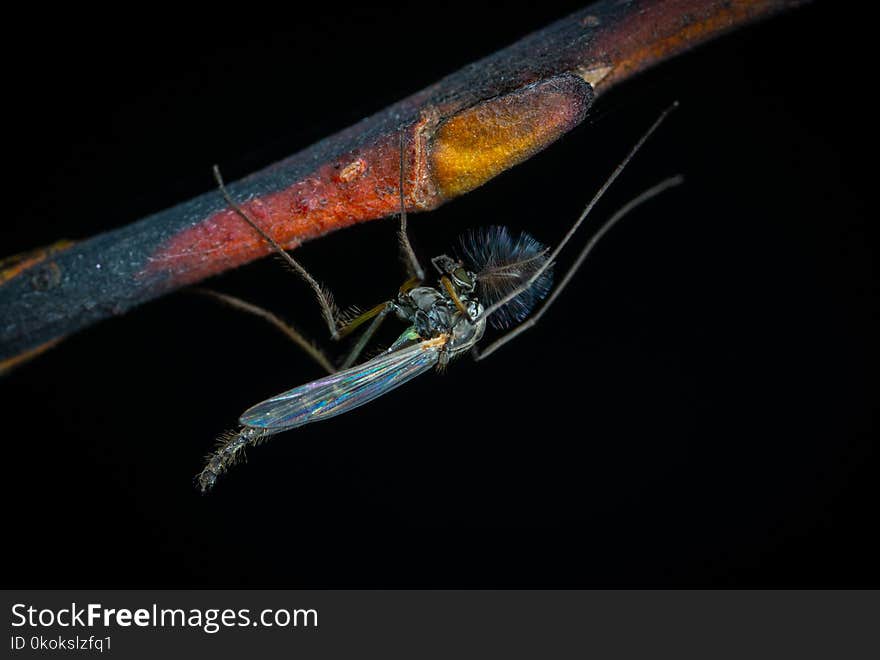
pixel 457 134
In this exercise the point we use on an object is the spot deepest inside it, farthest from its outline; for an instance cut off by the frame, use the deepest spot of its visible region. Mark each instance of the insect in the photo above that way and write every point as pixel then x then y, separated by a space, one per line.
pixel 498 279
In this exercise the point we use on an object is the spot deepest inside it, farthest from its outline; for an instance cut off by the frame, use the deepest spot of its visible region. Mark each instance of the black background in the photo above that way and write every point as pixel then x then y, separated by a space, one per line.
pixel 697 410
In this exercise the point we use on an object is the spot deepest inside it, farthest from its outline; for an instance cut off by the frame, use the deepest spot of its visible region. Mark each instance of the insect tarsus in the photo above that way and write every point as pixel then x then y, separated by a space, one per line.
pixel 230 450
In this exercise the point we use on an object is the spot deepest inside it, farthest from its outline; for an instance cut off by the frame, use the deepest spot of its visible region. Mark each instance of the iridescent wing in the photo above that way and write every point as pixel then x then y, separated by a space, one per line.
pixel 344 391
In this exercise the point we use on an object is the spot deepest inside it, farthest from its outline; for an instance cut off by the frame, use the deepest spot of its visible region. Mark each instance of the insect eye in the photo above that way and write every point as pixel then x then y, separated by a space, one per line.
pixel 462 278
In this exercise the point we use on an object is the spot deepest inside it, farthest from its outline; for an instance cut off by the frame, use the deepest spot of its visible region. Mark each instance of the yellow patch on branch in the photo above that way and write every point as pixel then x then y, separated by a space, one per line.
pixel 479 143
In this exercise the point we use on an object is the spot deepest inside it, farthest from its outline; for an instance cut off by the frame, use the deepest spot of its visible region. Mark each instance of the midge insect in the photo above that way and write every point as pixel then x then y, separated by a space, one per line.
pixel 497 279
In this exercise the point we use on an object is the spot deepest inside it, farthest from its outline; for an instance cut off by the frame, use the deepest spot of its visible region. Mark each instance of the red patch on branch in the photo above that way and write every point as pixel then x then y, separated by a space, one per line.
pixel 364 185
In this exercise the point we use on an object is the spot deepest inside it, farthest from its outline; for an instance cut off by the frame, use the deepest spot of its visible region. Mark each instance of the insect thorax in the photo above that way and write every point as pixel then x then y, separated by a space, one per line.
pixel 432 313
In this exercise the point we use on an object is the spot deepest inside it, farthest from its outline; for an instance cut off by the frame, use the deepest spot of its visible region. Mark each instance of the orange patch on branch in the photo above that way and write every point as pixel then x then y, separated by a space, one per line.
pixel 479 143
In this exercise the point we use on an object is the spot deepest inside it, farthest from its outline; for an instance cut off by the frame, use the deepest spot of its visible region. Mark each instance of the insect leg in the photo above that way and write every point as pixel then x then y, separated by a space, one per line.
pixel 410 284
pixel 378 313
pixel 446 283
pixel 292 333
pixel 229 451
pixel 585 252
pixel 552 258
pixel 359 320
pixel 413 267
pixel 325 299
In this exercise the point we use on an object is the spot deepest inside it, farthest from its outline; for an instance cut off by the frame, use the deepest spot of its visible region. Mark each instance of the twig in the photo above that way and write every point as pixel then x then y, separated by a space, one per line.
pixel 457 134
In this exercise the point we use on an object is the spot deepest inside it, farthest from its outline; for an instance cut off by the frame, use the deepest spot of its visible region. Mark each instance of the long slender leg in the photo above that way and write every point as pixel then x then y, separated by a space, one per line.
pixel 378 314
pixel 360 319
pixel 410 284
pixel 446 283
pixel 292 333
pixel 414 268
pixel 553 255
pixel 325 299
pixel 588 248
pixel 365 338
